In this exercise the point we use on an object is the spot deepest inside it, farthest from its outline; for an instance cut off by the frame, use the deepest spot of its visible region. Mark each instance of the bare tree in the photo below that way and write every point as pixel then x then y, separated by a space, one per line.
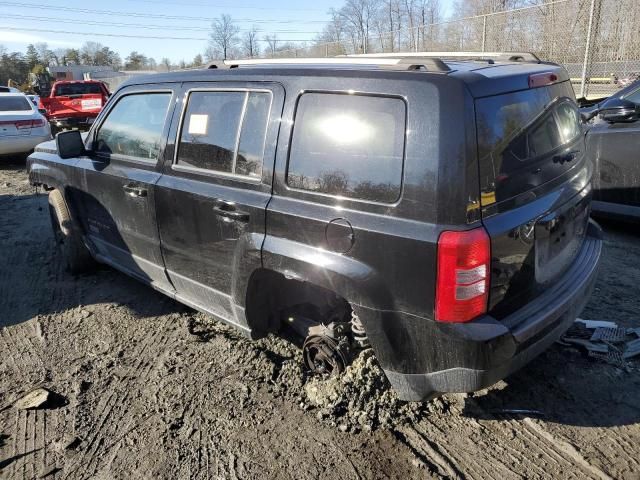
pixel 429 13
pixel 165 64
pixel 45 55
pixel 224 36
pixel 250 46
pixel 359 15
pixel 272 43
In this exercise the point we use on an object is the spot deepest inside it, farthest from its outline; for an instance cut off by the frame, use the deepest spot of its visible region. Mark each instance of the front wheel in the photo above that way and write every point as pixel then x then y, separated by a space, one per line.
pixel 68 236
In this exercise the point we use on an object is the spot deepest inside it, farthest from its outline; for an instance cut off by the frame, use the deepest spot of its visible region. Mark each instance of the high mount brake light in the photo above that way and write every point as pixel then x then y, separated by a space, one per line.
pixel 542 79
pixel 462 285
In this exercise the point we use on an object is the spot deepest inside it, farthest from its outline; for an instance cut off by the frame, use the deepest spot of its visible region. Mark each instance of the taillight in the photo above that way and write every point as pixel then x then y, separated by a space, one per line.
pixel 462 285
pixel 24 124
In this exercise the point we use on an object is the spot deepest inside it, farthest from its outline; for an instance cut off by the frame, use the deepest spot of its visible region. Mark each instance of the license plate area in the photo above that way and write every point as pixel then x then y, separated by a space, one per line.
pixel 91 104
pixel 558 238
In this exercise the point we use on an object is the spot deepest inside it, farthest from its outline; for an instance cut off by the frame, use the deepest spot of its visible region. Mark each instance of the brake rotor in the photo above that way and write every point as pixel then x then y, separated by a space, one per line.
pixel 324 355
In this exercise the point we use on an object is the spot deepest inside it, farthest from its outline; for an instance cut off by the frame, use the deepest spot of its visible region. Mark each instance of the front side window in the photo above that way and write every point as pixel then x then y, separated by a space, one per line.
pixel 224 131
pixel 349 146
pixel 133 128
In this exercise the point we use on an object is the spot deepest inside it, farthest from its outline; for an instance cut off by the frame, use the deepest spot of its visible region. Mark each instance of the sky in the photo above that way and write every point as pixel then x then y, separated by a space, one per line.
pixel 181 28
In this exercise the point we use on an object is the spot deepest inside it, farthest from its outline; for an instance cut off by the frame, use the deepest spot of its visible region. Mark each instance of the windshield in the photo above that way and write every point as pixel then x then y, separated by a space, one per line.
pixel 522 137
pixel 14 104
pixel 69 89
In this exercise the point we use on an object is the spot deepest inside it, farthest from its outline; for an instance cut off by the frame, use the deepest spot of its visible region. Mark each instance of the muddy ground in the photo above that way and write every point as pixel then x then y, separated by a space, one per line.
pixel 152 389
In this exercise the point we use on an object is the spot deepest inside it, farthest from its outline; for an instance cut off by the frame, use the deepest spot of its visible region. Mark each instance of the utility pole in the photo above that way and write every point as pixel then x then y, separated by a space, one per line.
pixel 587 50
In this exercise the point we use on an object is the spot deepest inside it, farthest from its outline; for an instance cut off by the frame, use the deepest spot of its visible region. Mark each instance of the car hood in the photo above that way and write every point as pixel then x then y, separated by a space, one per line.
pixel 47 147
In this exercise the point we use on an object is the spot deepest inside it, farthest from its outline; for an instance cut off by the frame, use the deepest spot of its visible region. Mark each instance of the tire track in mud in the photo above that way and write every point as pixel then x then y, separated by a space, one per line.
pixel 559 446
pixel 30 449
pixel 463 453
pixel 490 450
pixel 115 413
pixel 621 443
pixel 428 453
pixel 29 442
pixel 25 243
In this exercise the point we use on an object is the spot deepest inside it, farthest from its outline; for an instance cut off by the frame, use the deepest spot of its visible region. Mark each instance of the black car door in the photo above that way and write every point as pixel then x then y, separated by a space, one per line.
pixel 117 178
pixel 212 197
pixel 616 150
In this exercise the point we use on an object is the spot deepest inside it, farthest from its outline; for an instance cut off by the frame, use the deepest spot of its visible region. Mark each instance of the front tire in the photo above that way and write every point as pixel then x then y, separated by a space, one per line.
pixel 68 235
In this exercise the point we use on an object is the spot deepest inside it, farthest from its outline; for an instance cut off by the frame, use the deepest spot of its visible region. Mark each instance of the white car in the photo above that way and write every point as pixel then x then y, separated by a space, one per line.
pixel 22 126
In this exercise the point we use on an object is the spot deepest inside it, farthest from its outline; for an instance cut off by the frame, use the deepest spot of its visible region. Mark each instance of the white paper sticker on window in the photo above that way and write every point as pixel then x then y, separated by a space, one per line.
pixel 198 124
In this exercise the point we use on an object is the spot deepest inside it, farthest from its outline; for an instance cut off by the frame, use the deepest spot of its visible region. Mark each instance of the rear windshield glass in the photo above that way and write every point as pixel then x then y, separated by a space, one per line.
pixel 14 104
pixel 524 132
pixel 68 89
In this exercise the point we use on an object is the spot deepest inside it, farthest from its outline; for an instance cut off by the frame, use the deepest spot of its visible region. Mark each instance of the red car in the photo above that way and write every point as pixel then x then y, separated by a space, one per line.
pixel 74 104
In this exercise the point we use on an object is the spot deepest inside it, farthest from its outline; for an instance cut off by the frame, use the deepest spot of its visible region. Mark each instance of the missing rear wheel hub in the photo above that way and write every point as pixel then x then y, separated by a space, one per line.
pixel 326 356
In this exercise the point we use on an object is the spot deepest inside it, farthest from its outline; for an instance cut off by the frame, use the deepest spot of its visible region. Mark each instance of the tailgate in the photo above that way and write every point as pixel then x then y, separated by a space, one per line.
pixel 88 104
pixel 535 183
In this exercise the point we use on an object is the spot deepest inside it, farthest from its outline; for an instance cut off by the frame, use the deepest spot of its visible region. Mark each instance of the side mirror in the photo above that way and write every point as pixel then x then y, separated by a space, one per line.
pixel 620 111
pixel 69 144
pixel 43 111
pixel 588 115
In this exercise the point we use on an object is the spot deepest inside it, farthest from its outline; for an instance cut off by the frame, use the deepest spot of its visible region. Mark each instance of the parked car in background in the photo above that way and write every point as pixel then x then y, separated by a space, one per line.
pixel 4 89
pixel 22 126
pixel 436 209
pixel 613 140
pixel 627 80
pixel 74 104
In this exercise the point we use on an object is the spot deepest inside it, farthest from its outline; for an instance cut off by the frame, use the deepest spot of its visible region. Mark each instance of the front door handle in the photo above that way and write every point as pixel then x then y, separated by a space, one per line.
pixel 227 210
pixel 135 190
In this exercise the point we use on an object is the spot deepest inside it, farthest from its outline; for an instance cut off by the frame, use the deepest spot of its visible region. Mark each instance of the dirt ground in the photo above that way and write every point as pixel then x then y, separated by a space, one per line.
pixel 150 389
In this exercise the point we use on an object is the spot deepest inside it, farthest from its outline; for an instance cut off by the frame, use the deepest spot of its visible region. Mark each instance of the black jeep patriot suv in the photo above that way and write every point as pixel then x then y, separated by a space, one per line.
pixel 434 209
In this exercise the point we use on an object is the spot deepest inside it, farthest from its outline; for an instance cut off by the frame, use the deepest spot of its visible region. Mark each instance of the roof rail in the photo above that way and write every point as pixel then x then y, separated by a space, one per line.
pixel 391 63
pixel 500 56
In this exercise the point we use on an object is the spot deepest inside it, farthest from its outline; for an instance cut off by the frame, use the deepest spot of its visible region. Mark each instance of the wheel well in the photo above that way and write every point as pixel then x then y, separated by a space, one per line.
pixel 271 297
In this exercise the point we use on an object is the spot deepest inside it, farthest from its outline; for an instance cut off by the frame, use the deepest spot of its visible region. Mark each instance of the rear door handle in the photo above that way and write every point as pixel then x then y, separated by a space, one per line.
pixel 228 210
pixel 134 190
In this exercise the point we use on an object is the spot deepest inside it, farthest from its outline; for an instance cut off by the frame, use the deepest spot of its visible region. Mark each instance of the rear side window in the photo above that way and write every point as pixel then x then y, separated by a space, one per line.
pixel 71 89
pixel 224 132
pixel 14 104
pixel 349 146
pixel 133 127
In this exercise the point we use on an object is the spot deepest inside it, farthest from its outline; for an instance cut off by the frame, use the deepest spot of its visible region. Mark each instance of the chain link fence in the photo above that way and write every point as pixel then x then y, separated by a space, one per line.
pixel 598 41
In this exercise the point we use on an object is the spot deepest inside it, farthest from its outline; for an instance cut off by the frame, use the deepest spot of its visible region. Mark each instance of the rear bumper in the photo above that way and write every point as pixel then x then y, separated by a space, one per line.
pixel 485 350
pixel 73 122
pixel 17 144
